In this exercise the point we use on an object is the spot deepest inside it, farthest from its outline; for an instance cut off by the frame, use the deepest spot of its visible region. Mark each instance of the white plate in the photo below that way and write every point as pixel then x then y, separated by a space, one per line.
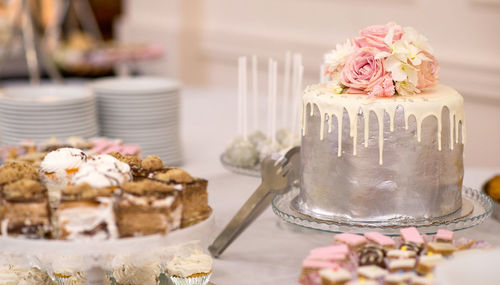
pixel 41 122
pixel 476 267
pixel 50 94
pixel 125 99
pixel 134 85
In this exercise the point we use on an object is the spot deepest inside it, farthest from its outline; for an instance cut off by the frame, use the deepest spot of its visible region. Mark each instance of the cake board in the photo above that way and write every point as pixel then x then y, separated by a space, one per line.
pixel 476 207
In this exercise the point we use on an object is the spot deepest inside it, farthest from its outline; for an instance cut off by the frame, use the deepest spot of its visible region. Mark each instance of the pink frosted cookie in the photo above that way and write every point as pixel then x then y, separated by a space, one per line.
pixel 444 236
pixel 310 266
pixel 351 240
pixel 380 239
pixel 412 235
pixel 328 256
pixel 333 249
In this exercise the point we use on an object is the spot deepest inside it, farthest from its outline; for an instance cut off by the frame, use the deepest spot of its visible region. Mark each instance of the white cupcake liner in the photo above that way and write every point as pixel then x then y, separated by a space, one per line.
pixel 201 280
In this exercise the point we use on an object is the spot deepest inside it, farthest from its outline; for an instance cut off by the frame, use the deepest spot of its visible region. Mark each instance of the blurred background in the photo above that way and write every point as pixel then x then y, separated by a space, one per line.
pixel 198 42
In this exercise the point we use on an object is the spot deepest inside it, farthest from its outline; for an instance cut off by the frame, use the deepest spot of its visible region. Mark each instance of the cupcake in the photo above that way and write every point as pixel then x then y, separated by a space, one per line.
pixel 58 168
pixel 67 270
pixel 14 275
pixel 194 269
pixel 136 271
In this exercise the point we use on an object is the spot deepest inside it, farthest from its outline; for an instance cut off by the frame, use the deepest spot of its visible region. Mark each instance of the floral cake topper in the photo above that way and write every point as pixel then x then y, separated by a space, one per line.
pixel 382 61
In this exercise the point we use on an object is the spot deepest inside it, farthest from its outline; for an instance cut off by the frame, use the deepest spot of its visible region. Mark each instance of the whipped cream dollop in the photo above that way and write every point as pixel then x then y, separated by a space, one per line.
pixel 60 160
pixel 185 266
pixel 102 171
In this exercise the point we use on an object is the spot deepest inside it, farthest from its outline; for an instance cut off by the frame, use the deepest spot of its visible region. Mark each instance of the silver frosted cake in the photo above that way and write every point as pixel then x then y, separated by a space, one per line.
pixel 381 140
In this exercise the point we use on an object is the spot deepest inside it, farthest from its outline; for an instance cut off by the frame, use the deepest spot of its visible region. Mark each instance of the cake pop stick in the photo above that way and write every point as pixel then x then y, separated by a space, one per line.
pixel 240 97
pixel 274 105
pixel 286 89
pixel 269 99
pixel 255 93
pixel 244 99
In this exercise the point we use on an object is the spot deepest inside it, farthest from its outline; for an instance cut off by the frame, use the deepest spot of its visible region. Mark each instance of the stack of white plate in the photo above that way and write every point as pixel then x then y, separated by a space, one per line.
pixel 143 111
pixel 42 112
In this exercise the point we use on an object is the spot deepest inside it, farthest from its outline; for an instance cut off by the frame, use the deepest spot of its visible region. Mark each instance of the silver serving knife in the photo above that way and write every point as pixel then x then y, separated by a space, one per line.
pixel 276 173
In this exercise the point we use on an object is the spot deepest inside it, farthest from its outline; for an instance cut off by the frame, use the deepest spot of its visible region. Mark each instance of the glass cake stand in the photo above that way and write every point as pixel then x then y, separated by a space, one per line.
pixel 97 259
pixel 476 208
pixel 254 172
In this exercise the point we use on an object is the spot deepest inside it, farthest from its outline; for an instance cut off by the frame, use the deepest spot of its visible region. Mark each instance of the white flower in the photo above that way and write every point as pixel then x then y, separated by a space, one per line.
pixel 337 57
pixel 411 35
pixel 401 71
pixel 406 88
pixel 335 86
pixel 405 52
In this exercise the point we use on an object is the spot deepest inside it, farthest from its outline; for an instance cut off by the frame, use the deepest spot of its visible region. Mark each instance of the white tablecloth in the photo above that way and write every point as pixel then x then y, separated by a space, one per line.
pixel 269 251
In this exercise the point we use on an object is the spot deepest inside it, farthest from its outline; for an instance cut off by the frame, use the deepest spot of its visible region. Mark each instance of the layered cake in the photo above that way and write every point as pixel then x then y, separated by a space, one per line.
pixel 75 196
pixel 24 210
pixel 382 140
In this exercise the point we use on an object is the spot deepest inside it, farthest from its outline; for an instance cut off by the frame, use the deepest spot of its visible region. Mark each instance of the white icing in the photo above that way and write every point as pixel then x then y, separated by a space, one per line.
pixel 184 266
pixel 429 103
pixel 127 270
pixel 64 158
pixel 5 227
pixel 77 220
pixel 103 171
pixel 14 275
pixel 8 275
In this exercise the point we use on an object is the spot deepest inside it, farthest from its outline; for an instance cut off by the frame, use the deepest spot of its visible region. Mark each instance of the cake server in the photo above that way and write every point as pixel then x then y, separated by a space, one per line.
pixel 277 173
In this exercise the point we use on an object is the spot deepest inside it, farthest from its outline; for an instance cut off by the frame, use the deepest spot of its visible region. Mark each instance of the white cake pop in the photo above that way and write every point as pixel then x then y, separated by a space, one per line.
pixel 242 153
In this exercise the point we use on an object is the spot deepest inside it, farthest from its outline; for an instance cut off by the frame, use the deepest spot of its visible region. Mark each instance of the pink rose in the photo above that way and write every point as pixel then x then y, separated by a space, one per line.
pixel 373 36
pixel 428 72
pixel 362 70
pixel 384 87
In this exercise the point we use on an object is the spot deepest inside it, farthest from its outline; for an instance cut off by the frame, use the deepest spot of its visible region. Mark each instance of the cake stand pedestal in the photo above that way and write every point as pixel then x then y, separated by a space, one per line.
pixel 476 208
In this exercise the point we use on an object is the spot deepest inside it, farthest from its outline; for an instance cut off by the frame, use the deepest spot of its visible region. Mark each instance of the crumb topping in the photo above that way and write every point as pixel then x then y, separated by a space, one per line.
pixel 84 191
pixel 152 163
pixel 132 160
pixel 176 174
pixel 14 170
pixel 146 186
pixel 24 189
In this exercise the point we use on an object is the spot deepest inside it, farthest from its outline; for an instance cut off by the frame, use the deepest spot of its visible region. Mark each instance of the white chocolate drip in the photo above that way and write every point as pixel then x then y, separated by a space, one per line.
pixel 429 103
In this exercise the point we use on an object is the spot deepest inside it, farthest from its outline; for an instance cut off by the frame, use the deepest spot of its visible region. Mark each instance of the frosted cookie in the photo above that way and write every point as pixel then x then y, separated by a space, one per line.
pixel 333 249
pixel 427 263
pixel 412 235
pixel 441 248
pixel 362 282
pixel 371 272
pixel 310 266
pixel 380 239
pixel 398 278
pixel 419 280
pixel 337 276
pixel 401 254
pixel 402 264
pixel 444 236
pixel 351 240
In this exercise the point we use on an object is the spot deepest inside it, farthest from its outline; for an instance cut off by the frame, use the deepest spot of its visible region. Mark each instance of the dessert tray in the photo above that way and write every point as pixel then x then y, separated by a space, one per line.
pixel 476 208
pixel 254 172
pixel 98 260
